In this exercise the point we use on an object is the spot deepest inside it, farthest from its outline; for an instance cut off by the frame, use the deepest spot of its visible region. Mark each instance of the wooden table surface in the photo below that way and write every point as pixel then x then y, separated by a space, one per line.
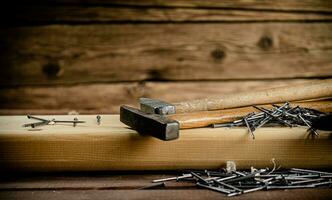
pixel 124 185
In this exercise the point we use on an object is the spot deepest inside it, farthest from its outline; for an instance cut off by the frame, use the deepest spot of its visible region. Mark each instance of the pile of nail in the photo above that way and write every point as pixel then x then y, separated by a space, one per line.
pixel 240 182
pixel 278 115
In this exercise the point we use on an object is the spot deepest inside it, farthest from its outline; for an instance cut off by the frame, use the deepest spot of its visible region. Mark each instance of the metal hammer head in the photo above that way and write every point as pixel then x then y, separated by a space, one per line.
pixel 151 124
pixel 156 106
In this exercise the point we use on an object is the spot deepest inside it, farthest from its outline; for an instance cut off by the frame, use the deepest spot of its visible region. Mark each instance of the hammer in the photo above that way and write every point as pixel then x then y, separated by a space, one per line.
pixel 154 117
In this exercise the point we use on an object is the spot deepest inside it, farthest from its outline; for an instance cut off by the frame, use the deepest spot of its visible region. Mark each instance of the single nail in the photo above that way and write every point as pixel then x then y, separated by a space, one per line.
pixel 172 178
pixel 227 185
pixel 289 187
pixel 75 121
pixel 306 181
pixel 306 123
pixel 227 178
pixel 200 179
pixel 251 175
pixel 322 183
pixel 98 119
pixel 309 171
pixel 249 129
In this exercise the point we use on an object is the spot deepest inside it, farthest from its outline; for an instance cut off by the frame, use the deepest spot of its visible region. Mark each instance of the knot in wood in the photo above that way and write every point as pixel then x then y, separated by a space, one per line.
pixel 218 54
pixel 265 42
pixel 51 70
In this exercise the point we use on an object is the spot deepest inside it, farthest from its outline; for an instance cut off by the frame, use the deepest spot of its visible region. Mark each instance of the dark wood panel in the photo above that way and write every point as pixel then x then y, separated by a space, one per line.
pixel 300 194
pixel 111 180
pixel 124 186
pixel 65 54
pixel 296 5
pixel 97 14
pixel 107 98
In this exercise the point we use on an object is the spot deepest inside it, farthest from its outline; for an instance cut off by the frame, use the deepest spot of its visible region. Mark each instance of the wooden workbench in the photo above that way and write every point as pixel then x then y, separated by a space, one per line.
pixel 66 162
pixel 116 185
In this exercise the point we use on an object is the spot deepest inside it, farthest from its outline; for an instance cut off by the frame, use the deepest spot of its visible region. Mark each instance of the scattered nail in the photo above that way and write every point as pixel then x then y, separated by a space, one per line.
pixel 281 115
pixel 242 182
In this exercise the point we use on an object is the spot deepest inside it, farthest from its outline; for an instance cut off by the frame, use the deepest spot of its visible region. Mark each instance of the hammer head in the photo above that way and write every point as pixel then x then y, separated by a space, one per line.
pixel 156 106
pixel 151 124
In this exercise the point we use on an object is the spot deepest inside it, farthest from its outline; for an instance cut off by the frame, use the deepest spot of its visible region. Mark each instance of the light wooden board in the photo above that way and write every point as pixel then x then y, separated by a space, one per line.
pixel 112 146
pixel 66 54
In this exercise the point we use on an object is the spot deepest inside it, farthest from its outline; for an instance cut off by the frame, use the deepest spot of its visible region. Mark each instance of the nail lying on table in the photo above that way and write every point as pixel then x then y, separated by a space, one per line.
pixel 173 178
pixel 49 122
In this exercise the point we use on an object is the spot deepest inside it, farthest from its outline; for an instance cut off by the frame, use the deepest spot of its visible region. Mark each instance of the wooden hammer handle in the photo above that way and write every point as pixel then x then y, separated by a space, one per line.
pixel 314 90
pixel 206 118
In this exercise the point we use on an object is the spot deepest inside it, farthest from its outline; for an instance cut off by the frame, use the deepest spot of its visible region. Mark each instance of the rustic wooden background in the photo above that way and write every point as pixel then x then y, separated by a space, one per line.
pixel 91 56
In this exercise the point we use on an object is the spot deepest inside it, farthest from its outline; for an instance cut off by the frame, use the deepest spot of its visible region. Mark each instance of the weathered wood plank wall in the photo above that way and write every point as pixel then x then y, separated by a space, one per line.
pixel 92 56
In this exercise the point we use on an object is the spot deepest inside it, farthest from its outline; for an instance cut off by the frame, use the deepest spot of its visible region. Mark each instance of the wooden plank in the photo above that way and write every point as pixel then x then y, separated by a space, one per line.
pixel 63 54
pixel 294 5
pixel 82 181
pixel 112 146
pixel 97 14
pixel 165 194
pixel 88 182
pixel 107 98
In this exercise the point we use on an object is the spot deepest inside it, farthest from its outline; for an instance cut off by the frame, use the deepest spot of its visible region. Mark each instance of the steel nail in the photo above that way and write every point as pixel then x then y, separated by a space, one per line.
pixel 227 185
pixel 218 189
pixel 199 178
pixel 309 171
pixel 249 129
pixel 172 178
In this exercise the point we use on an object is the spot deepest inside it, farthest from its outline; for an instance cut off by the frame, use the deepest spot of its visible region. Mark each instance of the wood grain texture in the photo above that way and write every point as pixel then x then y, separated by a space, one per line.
pixel 98 14
pixel 295 5
pixel 115 185
pixel 111 180
pixel 112 146
pixel 107 98
pixel 64 54
pixel 316 194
